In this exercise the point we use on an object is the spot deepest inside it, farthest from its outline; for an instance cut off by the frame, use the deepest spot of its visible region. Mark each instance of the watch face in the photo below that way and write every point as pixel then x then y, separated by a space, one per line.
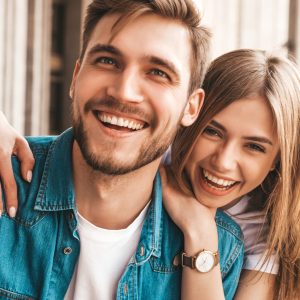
pixel 204 261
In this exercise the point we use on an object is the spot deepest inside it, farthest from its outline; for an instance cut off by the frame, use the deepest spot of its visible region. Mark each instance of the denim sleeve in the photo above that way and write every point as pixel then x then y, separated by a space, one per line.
pixel 231 249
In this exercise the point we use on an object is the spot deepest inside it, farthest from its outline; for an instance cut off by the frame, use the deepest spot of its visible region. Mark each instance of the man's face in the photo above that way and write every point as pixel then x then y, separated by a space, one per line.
pixel 130 91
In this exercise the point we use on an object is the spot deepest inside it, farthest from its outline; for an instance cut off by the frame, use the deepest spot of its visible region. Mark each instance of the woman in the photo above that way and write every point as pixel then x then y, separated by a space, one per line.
pixel 244 142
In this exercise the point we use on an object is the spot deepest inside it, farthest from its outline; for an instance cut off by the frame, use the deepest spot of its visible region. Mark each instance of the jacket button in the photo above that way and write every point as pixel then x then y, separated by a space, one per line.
pixel 125 289
pixel 68 250
pixel 142 251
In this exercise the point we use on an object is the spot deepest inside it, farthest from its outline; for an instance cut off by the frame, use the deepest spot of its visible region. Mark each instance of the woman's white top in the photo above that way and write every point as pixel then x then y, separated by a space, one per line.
pixel 255 229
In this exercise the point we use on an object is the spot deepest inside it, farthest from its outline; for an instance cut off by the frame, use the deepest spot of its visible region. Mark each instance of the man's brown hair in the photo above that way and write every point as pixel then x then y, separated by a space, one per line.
pixel 182 10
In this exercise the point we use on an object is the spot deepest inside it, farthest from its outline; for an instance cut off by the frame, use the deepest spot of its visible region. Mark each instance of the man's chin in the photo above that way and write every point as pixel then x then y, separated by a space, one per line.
pixel 109 167
pixel 116 166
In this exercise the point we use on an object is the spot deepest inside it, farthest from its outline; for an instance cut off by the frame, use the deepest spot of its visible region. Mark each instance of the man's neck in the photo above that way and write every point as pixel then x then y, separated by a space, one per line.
pixel 111 202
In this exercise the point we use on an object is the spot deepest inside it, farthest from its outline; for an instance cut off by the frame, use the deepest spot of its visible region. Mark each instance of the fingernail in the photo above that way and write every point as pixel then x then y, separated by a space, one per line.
pixel 0 213
pixel 12 212
pixel 29 176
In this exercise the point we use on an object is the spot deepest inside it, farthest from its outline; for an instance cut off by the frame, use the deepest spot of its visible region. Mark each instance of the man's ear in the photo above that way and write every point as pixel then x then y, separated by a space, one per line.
pixel 193 107
pixel 75 73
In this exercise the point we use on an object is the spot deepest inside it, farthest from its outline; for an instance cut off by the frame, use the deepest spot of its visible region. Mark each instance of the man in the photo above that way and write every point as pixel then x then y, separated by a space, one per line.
pixel 91 224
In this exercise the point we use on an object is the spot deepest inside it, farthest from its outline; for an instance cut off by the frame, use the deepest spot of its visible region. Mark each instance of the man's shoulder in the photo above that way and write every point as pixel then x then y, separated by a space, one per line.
pixel 40 144
pixel 226 223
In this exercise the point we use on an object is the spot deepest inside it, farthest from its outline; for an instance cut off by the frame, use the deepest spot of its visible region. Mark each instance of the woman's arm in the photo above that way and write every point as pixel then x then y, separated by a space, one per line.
pixel 255 285
pixel 12 143
pixel 200 232
pixel 199 228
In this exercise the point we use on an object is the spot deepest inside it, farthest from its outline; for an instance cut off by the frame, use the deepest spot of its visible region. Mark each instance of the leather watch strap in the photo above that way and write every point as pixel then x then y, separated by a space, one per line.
pixel 188 261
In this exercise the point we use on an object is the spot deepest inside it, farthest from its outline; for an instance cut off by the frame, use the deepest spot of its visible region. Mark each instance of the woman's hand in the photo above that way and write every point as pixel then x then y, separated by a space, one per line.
pixel 12 143
pixel 197 222
pixel 192 217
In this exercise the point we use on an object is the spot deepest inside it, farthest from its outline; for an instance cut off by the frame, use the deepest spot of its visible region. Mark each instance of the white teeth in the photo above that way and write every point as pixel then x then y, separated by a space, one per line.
pixel 114 120
pixel 122 122
pixel 218 181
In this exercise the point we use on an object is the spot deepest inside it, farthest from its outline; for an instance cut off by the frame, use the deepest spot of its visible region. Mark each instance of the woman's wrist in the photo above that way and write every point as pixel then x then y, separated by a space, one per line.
pixel 201 238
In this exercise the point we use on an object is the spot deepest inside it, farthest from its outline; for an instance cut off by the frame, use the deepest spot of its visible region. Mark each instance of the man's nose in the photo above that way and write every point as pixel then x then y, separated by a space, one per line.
pixel 127 86
pixel 225 158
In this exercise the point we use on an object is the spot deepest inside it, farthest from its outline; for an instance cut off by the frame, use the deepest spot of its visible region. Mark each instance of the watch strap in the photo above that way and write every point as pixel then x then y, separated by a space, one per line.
pixel 187 261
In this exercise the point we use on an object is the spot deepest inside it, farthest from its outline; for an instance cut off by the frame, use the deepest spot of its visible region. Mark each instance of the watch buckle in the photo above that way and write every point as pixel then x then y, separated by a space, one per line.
pixel 182 257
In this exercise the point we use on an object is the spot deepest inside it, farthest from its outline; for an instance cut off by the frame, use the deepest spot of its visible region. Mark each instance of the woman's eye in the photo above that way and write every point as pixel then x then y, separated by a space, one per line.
pixel 257 148
pixel 160 73
pixel 212 132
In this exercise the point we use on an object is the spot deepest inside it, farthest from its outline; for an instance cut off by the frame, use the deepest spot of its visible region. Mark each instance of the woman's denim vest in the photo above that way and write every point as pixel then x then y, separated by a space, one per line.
pixel 40 247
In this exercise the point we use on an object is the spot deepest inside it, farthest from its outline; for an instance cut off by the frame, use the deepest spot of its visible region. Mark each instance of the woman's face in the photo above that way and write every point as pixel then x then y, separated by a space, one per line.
pixel 234 153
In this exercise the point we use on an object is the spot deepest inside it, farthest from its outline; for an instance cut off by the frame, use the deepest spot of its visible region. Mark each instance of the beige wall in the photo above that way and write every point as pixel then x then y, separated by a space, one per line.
pixel 236 24
pixel 13 44
pixel 24 63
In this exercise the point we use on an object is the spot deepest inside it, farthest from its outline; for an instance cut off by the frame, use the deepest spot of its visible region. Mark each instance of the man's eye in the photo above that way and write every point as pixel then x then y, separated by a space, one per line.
pixel 106 60
pixel 257 148
pixel 212 132
pixel 160 73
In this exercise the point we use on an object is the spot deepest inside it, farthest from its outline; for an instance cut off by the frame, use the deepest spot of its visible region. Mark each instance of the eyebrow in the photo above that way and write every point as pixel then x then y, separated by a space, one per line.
pixel 259 139
pixel 104 48
pixel 165 63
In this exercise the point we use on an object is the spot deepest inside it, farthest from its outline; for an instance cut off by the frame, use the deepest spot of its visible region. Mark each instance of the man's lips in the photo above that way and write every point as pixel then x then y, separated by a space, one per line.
pixel 118 122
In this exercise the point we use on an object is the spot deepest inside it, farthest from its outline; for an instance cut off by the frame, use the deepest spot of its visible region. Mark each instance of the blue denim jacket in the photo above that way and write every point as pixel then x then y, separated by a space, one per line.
pixel 40 247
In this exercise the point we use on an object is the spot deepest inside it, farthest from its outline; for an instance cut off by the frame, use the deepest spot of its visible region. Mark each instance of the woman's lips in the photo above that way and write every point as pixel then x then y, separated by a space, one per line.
pixel 210 185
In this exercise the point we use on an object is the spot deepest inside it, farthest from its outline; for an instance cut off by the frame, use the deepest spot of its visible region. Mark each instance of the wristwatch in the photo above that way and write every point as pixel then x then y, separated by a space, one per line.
pixel 203 262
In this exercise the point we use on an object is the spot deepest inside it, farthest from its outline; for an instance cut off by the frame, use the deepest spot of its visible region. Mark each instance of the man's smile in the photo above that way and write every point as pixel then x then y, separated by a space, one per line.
pixel 118 122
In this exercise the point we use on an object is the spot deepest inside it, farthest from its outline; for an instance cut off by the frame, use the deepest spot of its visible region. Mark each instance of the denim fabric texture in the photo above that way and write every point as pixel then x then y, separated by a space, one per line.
pixel 40 247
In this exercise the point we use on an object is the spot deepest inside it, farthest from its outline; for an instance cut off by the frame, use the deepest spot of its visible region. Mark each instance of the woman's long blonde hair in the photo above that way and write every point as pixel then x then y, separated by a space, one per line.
pixel 246 73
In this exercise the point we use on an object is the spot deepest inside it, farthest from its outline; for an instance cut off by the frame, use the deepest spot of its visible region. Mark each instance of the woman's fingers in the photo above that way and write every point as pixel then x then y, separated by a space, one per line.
pixel 25 157
pixel 12 143
pixel 8 184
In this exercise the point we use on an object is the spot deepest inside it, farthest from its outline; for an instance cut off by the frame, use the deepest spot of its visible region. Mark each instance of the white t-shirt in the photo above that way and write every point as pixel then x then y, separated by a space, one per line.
pixel 104 255
pixel 255 229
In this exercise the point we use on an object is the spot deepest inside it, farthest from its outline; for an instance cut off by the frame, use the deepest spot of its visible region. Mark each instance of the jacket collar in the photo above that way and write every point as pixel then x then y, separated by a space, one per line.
pixel 56 191
pixel 150 241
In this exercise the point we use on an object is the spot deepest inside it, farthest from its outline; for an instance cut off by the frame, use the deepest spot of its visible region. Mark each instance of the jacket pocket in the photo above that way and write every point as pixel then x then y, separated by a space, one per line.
pixel 5 295
pixel 164 267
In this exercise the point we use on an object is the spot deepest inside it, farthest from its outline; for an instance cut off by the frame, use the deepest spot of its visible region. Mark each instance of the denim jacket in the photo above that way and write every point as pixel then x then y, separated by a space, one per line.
pixel 40 247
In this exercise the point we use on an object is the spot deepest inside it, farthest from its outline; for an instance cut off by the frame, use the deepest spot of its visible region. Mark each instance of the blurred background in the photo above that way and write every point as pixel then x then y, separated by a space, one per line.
pixel 40 42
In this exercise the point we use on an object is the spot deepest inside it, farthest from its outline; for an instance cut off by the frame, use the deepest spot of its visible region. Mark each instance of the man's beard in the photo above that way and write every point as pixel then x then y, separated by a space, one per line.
pixel 151 150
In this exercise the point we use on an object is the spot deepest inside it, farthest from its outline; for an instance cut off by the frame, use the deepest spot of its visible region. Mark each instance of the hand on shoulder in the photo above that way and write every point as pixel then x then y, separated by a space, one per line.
pixel 12 143
pixel 186 211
